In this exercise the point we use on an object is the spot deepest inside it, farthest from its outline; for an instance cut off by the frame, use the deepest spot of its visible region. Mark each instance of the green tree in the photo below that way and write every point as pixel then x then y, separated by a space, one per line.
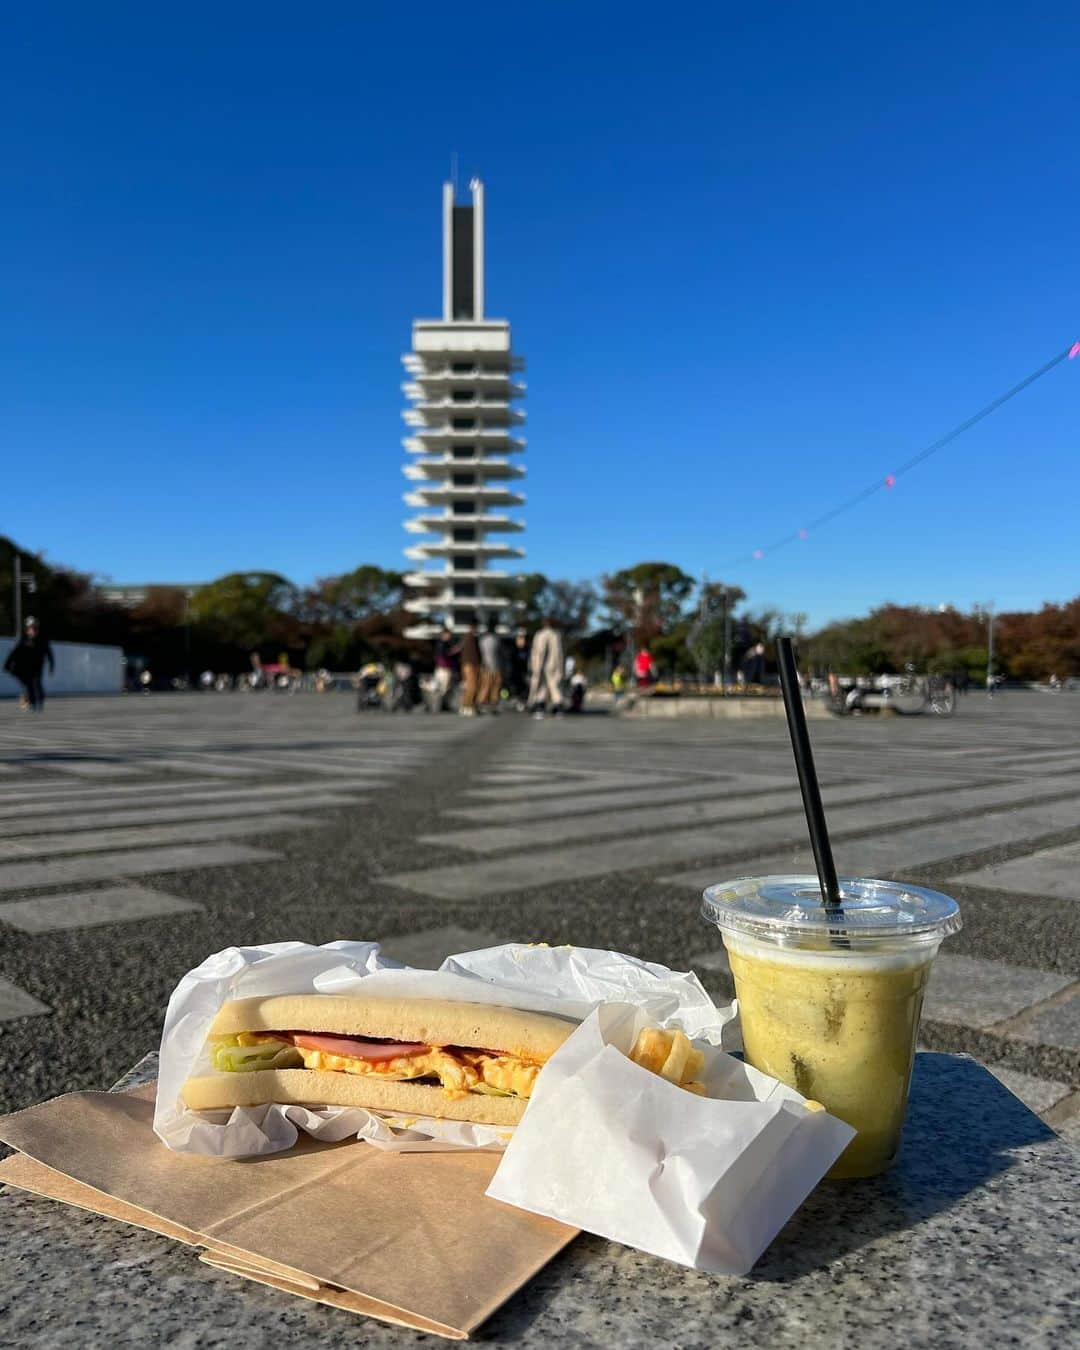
pixel 648 599
pixel 353 596
pixel 249 610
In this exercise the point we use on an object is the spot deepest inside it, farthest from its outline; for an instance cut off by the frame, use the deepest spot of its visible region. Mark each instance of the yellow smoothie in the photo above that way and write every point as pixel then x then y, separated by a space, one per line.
pixel 840 1028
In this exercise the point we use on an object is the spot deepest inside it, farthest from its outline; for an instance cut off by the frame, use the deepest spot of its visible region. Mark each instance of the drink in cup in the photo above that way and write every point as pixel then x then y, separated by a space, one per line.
pixel 830 1001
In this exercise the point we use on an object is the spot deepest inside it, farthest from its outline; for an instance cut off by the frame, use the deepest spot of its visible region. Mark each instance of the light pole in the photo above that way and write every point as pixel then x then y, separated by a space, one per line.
pixel 30 582
pixel 987 612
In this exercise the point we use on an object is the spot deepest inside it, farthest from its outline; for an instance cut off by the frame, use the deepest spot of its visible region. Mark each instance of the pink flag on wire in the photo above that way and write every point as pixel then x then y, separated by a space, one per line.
pixel 1074 350
pixel 890 480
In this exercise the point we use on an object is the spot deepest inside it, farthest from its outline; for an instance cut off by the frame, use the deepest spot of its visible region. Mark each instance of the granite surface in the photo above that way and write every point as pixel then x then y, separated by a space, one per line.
pixel 969 1241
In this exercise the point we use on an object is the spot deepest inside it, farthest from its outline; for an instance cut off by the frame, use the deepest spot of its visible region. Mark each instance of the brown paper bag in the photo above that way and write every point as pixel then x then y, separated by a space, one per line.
pixel 407 1237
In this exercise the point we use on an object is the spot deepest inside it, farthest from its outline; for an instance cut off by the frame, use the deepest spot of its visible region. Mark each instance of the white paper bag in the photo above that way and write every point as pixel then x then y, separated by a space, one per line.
pixel 616 1150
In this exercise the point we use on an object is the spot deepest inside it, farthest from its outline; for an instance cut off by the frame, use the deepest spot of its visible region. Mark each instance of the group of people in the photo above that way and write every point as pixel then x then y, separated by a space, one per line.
pixel 26 662
pixel 536 676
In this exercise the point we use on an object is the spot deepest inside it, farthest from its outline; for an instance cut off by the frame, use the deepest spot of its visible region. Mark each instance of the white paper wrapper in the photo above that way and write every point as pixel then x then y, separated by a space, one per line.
pixel 567 980
pixel 609 1147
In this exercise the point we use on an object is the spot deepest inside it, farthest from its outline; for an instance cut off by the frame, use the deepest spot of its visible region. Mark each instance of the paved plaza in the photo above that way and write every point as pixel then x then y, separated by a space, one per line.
pixel 139 834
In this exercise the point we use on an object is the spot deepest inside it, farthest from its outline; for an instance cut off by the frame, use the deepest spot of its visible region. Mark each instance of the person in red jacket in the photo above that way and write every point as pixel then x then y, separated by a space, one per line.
pixel 644 669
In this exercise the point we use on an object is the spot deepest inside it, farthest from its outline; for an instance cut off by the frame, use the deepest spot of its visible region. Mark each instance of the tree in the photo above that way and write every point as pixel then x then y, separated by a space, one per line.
pixel 353 596
pixel 249 610
pixel 647 598
pixel 570 604
pixel 711 632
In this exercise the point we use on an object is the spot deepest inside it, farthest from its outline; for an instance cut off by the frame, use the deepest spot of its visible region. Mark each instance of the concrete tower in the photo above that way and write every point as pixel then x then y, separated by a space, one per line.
pixel 460 386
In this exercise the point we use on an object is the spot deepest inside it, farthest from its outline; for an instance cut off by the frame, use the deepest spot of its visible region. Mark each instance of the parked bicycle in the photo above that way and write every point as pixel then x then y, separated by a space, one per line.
pixel 909 694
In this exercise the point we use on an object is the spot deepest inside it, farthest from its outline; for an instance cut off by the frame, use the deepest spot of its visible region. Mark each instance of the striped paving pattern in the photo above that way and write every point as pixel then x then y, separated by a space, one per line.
pixel 170 784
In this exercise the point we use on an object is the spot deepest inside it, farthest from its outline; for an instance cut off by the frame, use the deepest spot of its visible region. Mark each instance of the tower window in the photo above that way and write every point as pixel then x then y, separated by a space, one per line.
pixel 464 617
pixel 464 590
pixel 463 396
pixel 464 562
pixel 464 534
pixel 463 423
pixel 461 367
pixel 464 479
pixel 463 451
pixel 463 508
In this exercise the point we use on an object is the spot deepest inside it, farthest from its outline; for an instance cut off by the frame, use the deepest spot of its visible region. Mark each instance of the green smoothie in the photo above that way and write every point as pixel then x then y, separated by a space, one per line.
pixel 830 1005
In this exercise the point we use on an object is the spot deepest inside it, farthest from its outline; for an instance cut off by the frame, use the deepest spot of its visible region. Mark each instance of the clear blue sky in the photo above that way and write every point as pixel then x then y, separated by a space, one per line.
pixel 753 255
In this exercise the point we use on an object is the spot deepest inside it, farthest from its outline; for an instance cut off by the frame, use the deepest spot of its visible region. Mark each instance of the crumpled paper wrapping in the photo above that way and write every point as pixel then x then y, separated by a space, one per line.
pixel 616 1150
pixel 571 981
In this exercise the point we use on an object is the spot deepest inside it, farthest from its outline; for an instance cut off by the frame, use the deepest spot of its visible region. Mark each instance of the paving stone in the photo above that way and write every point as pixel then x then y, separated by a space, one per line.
pixel 1069 1130
pixel 712 960
pixel 147 836
pixel 1057 1025
pixel 1040 1094
pixel 16 1002
pixel 978 993
pixel 105 866
pixel 1051 871
pixel 215 807
pixel 428 949
pixel 732 805
pixel 890 854
pixel 89 768
pixel 85 909
pixel 519 871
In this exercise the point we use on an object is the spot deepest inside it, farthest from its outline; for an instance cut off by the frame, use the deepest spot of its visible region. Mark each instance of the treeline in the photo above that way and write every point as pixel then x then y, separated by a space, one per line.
pixel 341 622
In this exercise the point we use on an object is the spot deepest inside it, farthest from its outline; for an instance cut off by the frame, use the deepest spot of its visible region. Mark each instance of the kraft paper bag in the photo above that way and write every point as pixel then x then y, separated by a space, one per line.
pixel 410 1238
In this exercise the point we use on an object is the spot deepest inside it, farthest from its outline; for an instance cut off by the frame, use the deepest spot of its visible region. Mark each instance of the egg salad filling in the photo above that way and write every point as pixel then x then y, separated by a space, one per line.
pixel 458 1070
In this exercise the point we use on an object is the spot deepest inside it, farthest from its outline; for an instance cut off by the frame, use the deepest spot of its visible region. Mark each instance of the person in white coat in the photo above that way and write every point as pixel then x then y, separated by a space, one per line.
pixel 546 669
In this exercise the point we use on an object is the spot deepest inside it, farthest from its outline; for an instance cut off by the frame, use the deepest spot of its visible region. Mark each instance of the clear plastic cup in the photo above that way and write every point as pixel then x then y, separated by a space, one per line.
pixel 830 1003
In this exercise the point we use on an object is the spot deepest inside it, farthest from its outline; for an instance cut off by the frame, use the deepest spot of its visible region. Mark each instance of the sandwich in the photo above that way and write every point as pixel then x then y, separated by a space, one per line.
pixel 413 1056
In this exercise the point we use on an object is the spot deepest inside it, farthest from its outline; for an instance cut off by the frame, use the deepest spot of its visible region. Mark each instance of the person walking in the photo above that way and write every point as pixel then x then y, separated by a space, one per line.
pixel 26 661
pixel 546 668
pixel 518 669
pixel 443 678
pixel 469 655
pixel 490 668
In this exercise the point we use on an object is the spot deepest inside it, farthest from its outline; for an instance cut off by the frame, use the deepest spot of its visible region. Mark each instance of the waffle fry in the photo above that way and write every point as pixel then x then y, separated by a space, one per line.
pixel 669 1054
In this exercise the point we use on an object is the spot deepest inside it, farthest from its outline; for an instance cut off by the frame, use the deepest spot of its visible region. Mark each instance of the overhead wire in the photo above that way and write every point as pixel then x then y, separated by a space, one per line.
pixel 888 481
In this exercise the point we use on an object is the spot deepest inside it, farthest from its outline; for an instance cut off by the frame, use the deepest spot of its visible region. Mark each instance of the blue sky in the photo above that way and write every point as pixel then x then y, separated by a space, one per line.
pixel 754 257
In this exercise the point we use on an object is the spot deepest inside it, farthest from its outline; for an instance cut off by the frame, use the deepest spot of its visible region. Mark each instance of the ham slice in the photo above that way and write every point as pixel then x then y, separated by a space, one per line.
pixel 353 1047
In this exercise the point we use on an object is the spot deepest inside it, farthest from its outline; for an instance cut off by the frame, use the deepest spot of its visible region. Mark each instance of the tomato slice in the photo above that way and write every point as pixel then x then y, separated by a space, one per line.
pixel 353 1047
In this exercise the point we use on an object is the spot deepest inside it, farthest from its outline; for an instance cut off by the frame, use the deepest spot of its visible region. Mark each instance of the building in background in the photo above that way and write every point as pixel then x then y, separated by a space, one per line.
pixel 461 442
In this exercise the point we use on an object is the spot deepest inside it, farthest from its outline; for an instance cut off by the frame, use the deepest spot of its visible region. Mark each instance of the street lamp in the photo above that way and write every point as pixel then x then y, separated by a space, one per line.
pixel 987 612
pixel 30 582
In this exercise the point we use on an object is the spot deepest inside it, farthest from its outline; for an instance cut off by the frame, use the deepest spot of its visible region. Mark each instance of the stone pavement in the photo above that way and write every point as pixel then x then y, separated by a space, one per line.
pixel 139 834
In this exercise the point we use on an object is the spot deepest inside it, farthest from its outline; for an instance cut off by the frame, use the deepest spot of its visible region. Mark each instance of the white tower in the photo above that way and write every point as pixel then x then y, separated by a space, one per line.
pixel 461 384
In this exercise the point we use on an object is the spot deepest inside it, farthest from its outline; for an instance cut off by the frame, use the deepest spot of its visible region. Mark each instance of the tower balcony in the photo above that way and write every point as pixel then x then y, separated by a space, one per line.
pixel 452 548
pixel 443 495
pixel 445 466
pixel 441 412
pixel 438 522
pixel 437 383
pixel 438 604
pixel 430 439
pixel 439 579
pixel 481 360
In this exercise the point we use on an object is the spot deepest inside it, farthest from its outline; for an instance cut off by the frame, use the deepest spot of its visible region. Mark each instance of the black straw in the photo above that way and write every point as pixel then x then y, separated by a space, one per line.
pixel 808 782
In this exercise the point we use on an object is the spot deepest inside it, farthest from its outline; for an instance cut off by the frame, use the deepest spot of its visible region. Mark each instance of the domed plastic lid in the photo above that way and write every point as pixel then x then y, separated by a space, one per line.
pixel 788 911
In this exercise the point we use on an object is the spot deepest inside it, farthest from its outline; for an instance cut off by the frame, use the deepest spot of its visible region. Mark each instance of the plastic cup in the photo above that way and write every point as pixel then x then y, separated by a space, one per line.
pixel 831 1006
